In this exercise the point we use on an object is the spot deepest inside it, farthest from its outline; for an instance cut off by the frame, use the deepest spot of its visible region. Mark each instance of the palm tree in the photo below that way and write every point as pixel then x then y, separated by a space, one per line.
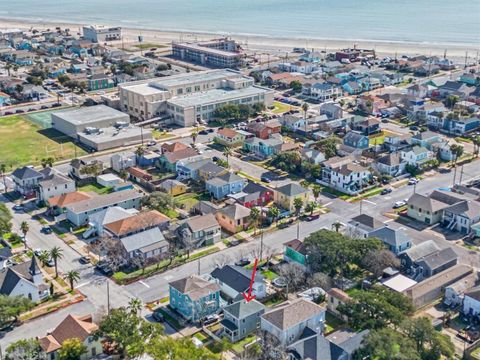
pixel 274 213
pixel 476 145
pixel 47 162
pixel 227 152
pixel 254 217
pixel 56 254
pixel 3 170
pixel 194 136
pixel 135 305
pixel 72 277
pixel 305 109
pixel 24 227
pixel 140 151
pixel 316 190
pixel 44 257
pixel 297 204
pixel 337 225
pixel 8 67
pixel 310 207
pixel 457 152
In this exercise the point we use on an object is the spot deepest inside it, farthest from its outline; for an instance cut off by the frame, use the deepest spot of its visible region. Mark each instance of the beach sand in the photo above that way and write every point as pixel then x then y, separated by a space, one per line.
pixel 273 45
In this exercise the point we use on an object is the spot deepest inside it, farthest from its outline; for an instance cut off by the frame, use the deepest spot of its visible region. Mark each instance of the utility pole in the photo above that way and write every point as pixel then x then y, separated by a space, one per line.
pixel 461 176
pixel 198 267
pixel 261 246
pixel 108 298
pixel 454 175
pixel 361 202
pixel 298 230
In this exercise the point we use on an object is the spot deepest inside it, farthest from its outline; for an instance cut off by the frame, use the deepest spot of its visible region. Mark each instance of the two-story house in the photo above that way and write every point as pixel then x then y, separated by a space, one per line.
pixel 235 280
pixel 230 137
pixel 26 180
pixel 233 218
pixel 264 130
pixel 416 156
pixel 295 252
pixel 391 164
pixel 226 184
pixel 263 148
pixel 241 318
pixel 199 231
pixel 361 226
pixel 461 216
pixel 73 327
pixel 54 184
pixel 323 92
pixel 194 298
pixel 285 196
pixel 254 194
pixel 396 240
pixel 288 321
pixel 350 178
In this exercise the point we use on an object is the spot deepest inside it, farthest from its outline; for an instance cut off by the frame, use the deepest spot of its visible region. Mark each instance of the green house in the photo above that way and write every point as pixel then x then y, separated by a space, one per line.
pixel 295 251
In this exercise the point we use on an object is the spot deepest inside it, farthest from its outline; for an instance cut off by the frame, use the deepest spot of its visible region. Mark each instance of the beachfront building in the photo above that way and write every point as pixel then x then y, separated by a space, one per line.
pixel 217 53
pixel 101 34
pixel 188 98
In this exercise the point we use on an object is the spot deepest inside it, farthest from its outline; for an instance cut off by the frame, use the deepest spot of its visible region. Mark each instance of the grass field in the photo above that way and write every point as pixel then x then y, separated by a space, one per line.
pixel 100 190
pixel 280 108
pixel 148 46
pixel 24 142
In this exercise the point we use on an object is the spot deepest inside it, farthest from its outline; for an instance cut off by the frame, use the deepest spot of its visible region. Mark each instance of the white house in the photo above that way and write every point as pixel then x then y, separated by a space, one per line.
pixel 54 184
pixel 350 178
pixel 461 216
pixel 235 280
pixel 416 155
pixel 391 164
pixel 288 321
pixel 26 180
pixel 324 92
pixel 120 162
pixel 471 301
pixel 108 180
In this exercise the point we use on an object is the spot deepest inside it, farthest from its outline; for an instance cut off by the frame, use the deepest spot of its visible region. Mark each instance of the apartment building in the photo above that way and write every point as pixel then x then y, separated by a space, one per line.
pixel 101 34
pixel 191 97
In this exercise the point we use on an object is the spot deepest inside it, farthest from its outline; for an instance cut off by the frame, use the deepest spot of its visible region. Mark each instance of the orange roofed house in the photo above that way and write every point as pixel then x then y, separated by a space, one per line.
pixel 57 204
pixel 80 327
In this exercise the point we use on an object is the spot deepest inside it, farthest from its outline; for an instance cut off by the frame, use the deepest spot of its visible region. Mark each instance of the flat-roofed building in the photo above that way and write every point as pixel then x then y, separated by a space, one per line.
pixel 190 97
pixel 101 33
pixel 217 53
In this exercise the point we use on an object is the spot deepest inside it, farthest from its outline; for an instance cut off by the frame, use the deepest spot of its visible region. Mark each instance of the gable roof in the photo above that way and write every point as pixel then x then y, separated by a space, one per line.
pixel 235 211
pixel 65 199
pixel 137 222
pixel 225 179
pixel 227 132
pixel 297 246
pixel 104 200
pixel 194 286
pixel 200 222
pixel 151 238
pixel 392 237
pixel 421 250
pixel 11 276
pixel 469 208
pixel 236 277
pixel 26 172
pixel 292 189
pixel 474 293
pixel 366 222
pixel 292 313
pixel 173 157
pixel 173 147
pixel 241 309
pixel 438 258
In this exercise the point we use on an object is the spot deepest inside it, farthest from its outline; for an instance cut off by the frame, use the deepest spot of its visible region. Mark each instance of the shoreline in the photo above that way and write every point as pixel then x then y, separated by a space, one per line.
pixel 270 44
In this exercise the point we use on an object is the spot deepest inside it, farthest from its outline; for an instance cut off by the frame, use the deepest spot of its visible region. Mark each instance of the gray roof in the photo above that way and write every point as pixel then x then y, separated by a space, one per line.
pixel 144 239
pixel 353 136
pixel 104 200
pixel 10 277
pixel 366 222
pixel 55 180
pixel 438 258
pixel 426 203
pixel 26 172
pixel 211 168
pixel 474 293
pixel 202 222
pixel 241 309
pixel 235 211
pixel 236 277
pixel 109 215
pixel 391 236
pixel 390 159
pixel 469 208
pixel 91 114
pixel 225 179
pixel 195 287
pixel 425 135
pixel 421 250
pixel 291 313
pixel 292 189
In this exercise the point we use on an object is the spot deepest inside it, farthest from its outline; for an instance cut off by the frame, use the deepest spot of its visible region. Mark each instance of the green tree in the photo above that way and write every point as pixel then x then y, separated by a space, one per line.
pixel 310 207
pixel 47 162
pixel 227 152
pixel 56 254
pixel 337 225
pixel 298 205
pixel 457 152
pixel 244 112
pixel 165 347
pixel 451 100
pixel 476 145
pixel 430 344
pixel 316 190
pixel 130 334
pixel 135 305
pixel 72 349
pixel 328 146
pixel 194 136
pixel 254 218
pixel 386 344
pixel 25 349
pixel 140 151
pixel 160 201
pixel 296 86
pixel 44 257
pixel 273 213
pixel 258 107
pixel 11 307
pixel 227 112
pixel 24 228
pixel 3 171
pixel 62 79
pixel 72 277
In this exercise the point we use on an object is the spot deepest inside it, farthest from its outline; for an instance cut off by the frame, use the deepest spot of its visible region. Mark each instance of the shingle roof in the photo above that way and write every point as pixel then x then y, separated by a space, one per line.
pixel 137 222
pixel 194 286
pixel 173 157
pixel 235 211
pixel 227 132
pixel 421 250
pixel 225 179
pixel 474 293
pixel 425 135
pixel 292 313
pixel 104 200
pixel 197 223
pixel 242 308
pixel 296 245
pixel 392 237
pixel 469 208
pixel 292 189
pixel 390 159
pixel 10 277
pixel 367 221
pixel 339 294
pixel 146 239
pixel 235 277
pixel 26 173
pixel 65 199
pixel 438 258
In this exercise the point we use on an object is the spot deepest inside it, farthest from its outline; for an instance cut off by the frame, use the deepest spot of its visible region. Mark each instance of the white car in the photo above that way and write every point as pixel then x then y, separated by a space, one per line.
pixel 399 204
pixel 412 181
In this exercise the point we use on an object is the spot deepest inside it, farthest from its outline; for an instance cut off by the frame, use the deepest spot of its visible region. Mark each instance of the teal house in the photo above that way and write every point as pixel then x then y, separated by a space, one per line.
pixel 263 148
pixel 99 82
pixel 295 252
pixel 194 298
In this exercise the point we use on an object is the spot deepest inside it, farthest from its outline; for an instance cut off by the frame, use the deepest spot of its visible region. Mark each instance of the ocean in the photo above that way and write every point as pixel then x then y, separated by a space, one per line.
pixel 415 21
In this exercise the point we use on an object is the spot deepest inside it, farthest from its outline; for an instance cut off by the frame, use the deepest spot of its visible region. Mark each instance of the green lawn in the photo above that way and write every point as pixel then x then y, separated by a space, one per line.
pixel 240 346
pixel 280 107
pixel 269 274
pixel 148 46
pixel 26 143
pixel 332 323
pixel 161 135
pixel 96 188
pixel 188 200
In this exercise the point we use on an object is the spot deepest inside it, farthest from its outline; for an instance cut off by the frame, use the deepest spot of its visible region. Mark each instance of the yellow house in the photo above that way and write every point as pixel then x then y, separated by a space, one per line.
pixel 229 137
pixel 285 195
pixel 173 187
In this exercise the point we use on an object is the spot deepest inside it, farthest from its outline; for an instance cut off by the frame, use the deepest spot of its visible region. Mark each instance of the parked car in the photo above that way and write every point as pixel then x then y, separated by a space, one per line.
pixel 18 207
pixel 84 260
pixel 151 143
pixel 104 268
pixel 46 229
pixel 312 217
pixel 37 252
pixel 8 113
pixel 234 242
pixel 412 181
pixel 158 316
pixel 19 111
pixel 210 131
pixel 399 204
pixel 242 262
pixel 211 319
pixel 50 263
pixel 203 132
pixel 43 107
pixel 215 158
pixel 386 191
pixel 265 179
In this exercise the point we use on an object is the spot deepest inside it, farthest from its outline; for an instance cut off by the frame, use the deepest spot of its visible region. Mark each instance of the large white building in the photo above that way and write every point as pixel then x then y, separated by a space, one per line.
pixel 191 97
pixel 100 33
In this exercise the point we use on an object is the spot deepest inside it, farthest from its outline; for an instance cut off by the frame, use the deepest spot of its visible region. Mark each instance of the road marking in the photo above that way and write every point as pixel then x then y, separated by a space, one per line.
pixel 370 202
pixel 144 284
pixel 86 283
pixel 387 221
pixel 329 203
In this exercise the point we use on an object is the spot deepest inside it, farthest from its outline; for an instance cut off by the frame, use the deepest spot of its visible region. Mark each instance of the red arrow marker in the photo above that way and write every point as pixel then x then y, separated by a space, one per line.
pixel 249 297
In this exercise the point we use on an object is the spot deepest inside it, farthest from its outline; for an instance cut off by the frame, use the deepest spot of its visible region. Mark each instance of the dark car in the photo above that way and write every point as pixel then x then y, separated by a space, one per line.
pixel 413 127
pixel 203 132
pixel 19 111
pixel 8 113
pixel 18 207
pixel 158 316
pixel 43 107
pixel 312 217
pixel 385 181
pixel 56 105
pixel 242 262
pixel 84 260
pixel 386 191
pixel 210 131
pixel 265 179
pixel 32 109
pixel 104 268
pixel 46 229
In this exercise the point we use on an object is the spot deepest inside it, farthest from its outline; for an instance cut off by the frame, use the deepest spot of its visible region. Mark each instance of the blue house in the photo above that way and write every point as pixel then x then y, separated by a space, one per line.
pixel 4 99
pixel 352 87
pixel 425 139
pixel 54 73
pixel 80 51
pixel 356 140
pixel 461 126
pixel 397 241
pixel 194 298
pixel 226 184
pixel 149 158
pixel 263 148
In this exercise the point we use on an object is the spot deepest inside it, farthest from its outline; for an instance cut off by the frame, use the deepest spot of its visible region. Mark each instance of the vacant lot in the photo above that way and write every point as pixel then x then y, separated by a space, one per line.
pixel 24 142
